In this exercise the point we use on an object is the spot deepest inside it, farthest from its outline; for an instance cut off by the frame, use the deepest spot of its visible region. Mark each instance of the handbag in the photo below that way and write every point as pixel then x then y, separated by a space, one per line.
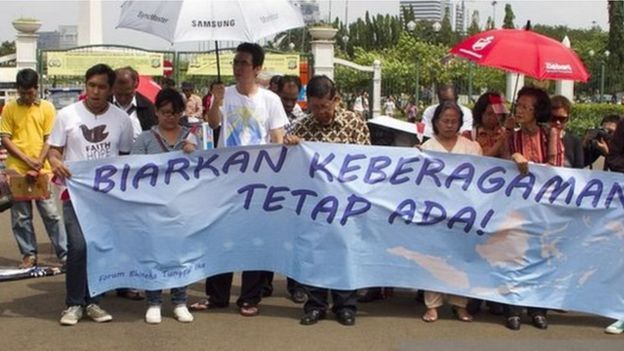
pixel 25 188
pixel 6 197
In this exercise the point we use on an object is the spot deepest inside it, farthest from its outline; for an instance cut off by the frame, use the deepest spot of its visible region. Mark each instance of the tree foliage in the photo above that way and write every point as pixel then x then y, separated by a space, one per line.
pixel 474 27
pixel 509 17
pixel 7 48
pixel 616 38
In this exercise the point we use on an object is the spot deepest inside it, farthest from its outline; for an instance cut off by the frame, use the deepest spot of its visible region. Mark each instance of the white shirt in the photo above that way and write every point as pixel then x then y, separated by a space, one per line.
pixel 134 118
pixel 85 136
pixel 389 107
pixel 248 120
pixel 428 116
pixel 462 146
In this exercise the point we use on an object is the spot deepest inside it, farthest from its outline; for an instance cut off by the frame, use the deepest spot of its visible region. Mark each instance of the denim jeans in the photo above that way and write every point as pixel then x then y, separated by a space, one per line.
pixel 77 291
pixel 178 296
pixel 22 221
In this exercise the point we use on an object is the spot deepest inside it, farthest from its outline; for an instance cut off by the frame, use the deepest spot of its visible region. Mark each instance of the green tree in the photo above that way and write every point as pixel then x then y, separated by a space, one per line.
pixel 509 17
pixel 616 38
pixel 474 24
pixel 7 48
pixel 489 24
pixel 446 35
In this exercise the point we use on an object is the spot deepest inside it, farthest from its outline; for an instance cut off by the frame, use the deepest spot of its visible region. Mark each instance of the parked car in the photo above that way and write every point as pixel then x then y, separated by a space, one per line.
pixel 61 97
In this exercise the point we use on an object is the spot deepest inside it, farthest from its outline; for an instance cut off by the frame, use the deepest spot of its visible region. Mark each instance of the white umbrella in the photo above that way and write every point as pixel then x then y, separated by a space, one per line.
pixel 200 20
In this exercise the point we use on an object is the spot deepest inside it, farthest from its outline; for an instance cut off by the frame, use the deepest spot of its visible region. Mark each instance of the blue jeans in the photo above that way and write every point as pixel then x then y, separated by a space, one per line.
pixel 178 296
pixel 22 221
pixel 77 290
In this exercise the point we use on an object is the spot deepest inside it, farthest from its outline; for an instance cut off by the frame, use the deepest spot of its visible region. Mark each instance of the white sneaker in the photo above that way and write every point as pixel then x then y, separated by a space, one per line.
pixel 182 314
pixel 615 328
pixel 71 315
pixel 98 314
pixel 152 315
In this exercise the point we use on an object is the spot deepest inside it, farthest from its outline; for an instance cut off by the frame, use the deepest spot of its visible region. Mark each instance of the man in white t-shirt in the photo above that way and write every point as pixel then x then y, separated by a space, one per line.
pixel 86 130
pixel 446 93
pixel 248 115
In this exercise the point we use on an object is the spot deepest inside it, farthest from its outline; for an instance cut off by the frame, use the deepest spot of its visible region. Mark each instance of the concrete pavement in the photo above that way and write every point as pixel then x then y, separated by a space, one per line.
pixel 30 309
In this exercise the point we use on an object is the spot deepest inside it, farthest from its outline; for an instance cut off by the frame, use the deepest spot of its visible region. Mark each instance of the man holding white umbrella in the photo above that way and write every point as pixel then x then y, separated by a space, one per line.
pixel 260 118
pixel 248 115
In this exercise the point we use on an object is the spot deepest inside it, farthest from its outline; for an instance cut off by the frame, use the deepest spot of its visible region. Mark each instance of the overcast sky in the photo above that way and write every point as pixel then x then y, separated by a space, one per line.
pixel 576 14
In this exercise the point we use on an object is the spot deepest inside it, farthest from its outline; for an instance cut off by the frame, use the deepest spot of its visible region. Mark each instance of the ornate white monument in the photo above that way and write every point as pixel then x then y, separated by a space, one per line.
pixel 565 87
pixel 26 43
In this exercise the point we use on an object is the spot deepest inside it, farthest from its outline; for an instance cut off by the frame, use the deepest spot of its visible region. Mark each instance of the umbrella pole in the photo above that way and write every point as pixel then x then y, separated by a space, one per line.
pixel 513 96
pixel 218 63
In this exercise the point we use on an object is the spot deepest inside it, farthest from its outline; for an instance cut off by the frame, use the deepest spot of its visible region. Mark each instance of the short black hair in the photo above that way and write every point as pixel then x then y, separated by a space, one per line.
pixel 101 68
pixel 133 73
pixel 256 51
pixel 543 107
pixel 27 78
pixel 275 79
pixel 611 118
pixel 445 87
pixel 320 87
pixel 560 101
pixel 169 95
pixel 481 105
pixel 288 79
pixel 443 106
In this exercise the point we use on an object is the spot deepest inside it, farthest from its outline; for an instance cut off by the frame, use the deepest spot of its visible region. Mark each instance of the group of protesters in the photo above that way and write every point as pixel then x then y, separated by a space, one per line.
pixel 114 119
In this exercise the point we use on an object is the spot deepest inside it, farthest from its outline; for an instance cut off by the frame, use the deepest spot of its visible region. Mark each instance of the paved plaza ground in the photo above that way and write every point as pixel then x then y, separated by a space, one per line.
pixel 30 309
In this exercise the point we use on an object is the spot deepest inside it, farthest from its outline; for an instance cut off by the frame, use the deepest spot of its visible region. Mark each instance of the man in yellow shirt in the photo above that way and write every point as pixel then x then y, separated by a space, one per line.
pixel 24 128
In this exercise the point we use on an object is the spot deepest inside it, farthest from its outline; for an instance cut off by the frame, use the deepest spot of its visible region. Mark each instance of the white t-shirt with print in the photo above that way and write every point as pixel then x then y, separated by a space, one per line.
pixel 248 120
pixel 85 136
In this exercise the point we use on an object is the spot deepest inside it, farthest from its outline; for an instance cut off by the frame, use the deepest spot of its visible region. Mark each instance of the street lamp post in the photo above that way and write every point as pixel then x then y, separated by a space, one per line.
pixel 494 13
pixel 345 40
pixel 436 26
pixel 411 26
pixel 602 70
pixel 602 74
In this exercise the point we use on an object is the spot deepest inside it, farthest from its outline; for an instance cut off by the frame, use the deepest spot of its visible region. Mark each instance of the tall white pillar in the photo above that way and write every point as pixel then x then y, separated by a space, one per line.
pixel 90 23
pixel 323 50
pixel 514 83
pixel 26 43
pixel 565 87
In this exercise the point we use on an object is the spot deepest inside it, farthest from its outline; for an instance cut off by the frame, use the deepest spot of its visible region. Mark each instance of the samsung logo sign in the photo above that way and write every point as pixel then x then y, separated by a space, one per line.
pixel 212 23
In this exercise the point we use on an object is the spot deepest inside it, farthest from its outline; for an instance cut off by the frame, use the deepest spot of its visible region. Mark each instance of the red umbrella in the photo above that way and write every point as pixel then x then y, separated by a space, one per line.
pixel 525 52
pixel 148 88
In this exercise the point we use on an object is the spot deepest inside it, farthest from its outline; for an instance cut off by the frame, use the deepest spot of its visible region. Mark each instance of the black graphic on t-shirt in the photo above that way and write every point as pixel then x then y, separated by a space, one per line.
pixel 94 135
pixel 98 147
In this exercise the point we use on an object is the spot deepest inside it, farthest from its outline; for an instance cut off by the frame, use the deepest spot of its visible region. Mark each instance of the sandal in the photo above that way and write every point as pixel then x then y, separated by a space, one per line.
pixel 431 315
pixel 247 310
pixel 205 304
pixel 462 314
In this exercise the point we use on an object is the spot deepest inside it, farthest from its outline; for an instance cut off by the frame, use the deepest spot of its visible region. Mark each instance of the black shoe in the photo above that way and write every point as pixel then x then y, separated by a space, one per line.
pixel 372 294
pixel 540 322
pixel 298 295
pixel 345 317
pixel 513 323
pixel 312 317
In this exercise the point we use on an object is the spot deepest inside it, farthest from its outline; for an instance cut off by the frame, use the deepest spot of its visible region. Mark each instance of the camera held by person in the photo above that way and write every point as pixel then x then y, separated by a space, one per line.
pixel 596 141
